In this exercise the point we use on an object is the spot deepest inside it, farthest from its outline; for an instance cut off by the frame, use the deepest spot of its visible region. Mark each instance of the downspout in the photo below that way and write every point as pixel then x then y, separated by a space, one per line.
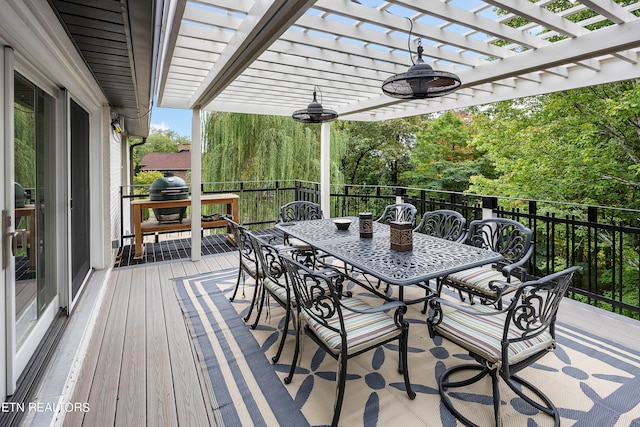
pixel 131 147
pixel 130 185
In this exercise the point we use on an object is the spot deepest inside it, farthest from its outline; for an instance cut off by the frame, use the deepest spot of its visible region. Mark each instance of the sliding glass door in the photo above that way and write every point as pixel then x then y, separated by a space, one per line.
pixel 34 184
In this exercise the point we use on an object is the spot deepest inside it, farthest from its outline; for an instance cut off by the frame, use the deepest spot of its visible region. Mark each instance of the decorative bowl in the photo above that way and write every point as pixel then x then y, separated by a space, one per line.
pixel 342 224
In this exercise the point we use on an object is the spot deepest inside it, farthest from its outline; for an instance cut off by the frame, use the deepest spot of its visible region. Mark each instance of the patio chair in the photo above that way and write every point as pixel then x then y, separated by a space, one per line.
pixel 490 282
pixel 301 211
pixel 503 342
pixel 274 285
pixel 404 212
pixel 248 262
pixel 445 224
pixel 342 325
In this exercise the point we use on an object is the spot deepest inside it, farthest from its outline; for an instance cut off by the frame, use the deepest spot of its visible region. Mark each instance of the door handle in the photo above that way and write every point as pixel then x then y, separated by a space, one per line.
pixel 14 240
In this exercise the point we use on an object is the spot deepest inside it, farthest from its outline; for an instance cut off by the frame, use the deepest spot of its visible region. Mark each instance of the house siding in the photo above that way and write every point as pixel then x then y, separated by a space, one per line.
pixel 114 156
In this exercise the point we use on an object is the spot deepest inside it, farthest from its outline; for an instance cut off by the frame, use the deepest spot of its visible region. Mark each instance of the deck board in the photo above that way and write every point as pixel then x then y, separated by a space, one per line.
pixel 140 368
pixel 191 408
pixel 85 377
pixel 159 383
pixel 104 391
pixel 131 403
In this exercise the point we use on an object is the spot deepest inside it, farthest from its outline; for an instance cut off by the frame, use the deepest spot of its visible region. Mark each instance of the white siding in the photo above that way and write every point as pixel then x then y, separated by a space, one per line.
pixel 113 166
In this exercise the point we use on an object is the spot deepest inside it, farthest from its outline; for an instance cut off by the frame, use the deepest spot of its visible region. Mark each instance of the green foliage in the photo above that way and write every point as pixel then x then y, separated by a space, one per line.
pixel 244 147
pixel 580 146
pixel 378 152
pixel 24 149
pixel 442 156
pixel 146 177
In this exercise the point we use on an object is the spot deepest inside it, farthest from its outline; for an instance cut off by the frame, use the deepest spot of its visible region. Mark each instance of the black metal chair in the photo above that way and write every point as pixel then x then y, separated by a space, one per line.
pixel 404 212
pixel 301 211
pixel 445 224
pixel 490 282
pixel 248 262
pixel 343 326
pixel 503 342
pixel 274 285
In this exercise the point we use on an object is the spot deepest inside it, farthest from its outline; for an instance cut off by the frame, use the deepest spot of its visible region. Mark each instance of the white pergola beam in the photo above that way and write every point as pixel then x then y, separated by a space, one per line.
pixel 266 21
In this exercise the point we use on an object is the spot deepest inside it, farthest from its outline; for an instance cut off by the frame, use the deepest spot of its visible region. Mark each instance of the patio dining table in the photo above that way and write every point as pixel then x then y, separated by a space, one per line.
pixel 431 257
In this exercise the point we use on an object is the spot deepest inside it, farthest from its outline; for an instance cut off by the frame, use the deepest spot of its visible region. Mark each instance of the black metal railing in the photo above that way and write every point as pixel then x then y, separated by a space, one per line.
pixel 605 241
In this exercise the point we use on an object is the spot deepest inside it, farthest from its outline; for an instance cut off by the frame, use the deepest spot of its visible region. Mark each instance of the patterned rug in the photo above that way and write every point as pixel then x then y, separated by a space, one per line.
pixel 590 380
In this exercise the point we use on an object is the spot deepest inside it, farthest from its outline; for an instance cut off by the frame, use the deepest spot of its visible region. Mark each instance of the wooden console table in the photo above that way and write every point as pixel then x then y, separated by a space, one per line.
pixel 145 227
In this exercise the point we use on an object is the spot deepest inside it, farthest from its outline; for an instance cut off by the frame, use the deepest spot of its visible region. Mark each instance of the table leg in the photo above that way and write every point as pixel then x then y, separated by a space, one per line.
pixel 137 231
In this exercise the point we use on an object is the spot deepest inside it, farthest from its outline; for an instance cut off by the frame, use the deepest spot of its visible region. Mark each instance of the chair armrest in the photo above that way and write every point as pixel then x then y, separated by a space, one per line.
pixel 384 307
pixel 506 270
pixel 499 286
pixel 434 303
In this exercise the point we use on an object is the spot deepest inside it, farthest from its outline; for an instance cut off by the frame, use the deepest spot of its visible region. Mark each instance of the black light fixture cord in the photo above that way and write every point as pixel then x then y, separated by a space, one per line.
pixel 409 39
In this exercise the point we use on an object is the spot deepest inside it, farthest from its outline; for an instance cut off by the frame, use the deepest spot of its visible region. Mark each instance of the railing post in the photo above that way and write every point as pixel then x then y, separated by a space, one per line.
pixel 489 204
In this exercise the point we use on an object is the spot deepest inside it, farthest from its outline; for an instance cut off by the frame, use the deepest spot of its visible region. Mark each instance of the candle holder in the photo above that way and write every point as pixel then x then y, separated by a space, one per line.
pixel 365 222
pixel 401 236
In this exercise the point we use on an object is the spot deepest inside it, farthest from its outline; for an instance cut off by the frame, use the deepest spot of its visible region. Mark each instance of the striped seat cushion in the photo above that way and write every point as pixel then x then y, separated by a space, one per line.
pixel 251 268
pixel 280 291
pixel 481 335
pixel 363 330
pixel 277 290
pixel 299 244
pixel 478 279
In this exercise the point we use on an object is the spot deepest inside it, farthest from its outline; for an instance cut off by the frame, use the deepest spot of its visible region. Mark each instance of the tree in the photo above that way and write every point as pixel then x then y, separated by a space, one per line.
pixel 443 158
pixel 247 147
pixel 378 152
pixel 578 146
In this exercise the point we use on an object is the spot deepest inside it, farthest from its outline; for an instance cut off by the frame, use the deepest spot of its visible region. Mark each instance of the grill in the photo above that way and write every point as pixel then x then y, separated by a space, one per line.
pixel 20 195
pixel 169 187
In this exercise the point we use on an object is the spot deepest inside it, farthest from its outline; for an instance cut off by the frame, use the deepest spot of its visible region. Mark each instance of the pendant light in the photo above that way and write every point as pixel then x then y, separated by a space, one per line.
pixel 314 113
pixel 420 81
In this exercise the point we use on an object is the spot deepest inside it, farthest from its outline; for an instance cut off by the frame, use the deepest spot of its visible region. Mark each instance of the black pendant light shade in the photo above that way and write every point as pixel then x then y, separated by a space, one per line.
pixel 421 81
pixel 314 113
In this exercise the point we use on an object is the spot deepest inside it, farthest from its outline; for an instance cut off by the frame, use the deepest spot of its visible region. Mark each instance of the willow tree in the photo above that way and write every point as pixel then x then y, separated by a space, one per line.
pixel 246 147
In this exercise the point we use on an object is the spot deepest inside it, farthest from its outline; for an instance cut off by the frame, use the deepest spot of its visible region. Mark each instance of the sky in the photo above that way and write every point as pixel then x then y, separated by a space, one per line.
pixel 173 119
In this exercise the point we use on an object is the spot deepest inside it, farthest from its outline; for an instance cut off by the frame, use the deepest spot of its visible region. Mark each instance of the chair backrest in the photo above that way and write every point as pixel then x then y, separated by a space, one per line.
pixel 508 237
pixel 268 259
pixel 404 212
pixel 300 211
pixel 315 294
pixel 534 306
pixel 443 223
pixel 241 238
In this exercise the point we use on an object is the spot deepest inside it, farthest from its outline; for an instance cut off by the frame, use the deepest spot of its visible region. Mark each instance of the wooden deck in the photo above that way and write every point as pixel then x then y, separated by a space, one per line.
pixel 140 369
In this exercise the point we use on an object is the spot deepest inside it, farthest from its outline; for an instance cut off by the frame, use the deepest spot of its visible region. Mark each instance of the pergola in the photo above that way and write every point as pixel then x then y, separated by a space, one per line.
pixel 267 57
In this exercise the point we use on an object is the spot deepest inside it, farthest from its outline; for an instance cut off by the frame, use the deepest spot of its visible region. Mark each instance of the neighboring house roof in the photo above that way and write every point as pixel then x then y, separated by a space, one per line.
pixel 166 161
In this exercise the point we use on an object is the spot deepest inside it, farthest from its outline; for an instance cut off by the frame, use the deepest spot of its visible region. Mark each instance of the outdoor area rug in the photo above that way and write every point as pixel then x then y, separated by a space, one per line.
pixel 590 380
